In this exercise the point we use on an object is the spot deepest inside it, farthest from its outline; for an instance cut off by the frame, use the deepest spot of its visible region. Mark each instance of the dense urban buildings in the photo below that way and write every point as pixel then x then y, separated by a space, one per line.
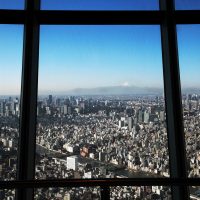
pixel 99 136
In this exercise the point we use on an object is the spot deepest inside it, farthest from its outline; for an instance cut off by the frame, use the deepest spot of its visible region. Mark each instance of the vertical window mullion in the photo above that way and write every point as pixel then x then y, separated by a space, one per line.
pixel 105 193
pixel 173 100
pixel 26 161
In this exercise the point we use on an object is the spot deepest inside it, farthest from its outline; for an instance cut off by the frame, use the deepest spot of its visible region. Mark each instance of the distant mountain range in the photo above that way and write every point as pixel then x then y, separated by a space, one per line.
pixel 115 90
pixel 191 90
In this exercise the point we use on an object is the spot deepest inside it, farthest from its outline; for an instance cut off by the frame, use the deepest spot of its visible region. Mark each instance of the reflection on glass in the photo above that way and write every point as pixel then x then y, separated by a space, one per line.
pixel 142 192
pixel 81 193
pixel 10 83
pixel 101 110
pixel 99 4
pixel 12 4
pixel 7 194
pixel 187 4
pixel 189 43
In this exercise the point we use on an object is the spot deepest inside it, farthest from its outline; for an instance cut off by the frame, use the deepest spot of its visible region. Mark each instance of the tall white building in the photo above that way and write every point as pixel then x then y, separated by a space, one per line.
pixel 72 162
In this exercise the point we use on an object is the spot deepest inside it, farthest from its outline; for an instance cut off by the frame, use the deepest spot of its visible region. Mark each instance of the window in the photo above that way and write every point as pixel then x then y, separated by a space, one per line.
pixel 189 60
pixel 12 4
pixel 10 83
pixel 187 4
pixel 62 37
pixel 94 93
pixel 99 5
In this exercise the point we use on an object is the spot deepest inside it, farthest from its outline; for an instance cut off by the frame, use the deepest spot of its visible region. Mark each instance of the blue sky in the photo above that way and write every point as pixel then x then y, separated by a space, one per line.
pixel 187 4
pixel 11 4
pixel 11 40
pixel 92 56
pixel 189 54
pixel 86 4
pixel 76 56
pixel 100 4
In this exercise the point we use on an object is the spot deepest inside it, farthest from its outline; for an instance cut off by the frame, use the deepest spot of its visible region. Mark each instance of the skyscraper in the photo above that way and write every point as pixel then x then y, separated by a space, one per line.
pixel 146 117
pixel 50 100
pixel 2 108
pixel 130 123
pixel 140 116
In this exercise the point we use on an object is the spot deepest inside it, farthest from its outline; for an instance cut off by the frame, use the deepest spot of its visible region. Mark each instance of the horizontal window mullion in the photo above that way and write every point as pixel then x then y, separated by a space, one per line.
pixel 100 182
pixel 12 16
pixel 99 17
pixel 187 17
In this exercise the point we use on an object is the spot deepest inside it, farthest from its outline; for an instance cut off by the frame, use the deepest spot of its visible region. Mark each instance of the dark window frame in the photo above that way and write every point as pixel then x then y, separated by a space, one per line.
pixel 167 17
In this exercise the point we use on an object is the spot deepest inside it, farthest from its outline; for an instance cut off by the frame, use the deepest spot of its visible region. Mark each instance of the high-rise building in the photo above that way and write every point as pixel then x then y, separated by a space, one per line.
pixel 162 116
pixel 2 108
pixel 50 100
pixel 121 123
pixel 58 102
pixel 130 123
pixel 69 110
pixel 146 117
pixel 65 111
pixel 140 116
pixel 72 162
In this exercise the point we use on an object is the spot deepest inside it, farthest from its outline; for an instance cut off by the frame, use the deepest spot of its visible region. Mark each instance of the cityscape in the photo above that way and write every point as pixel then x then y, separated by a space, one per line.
pixel 99 136
pixel 100 108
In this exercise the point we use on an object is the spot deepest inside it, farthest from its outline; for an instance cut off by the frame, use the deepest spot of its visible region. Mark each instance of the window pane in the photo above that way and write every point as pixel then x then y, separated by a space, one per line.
pixel 68 193
pixel 10 84
pixel 142 192
pixel 188 43
pixel 12 4
pixel 99 4
pixel 101 110
pixel 187 4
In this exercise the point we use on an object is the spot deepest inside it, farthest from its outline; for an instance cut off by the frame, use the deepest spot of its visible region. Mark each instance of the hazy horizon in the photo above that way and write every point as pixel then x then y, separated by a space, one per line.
pixel 185 90
pixel 93 56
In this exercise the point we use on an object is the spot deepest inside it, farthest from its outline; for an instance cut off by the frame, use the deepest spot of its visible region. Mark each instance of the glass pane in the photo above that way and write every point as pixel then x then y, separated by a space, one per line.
pixel 10 83
pixel 188 43
pixel 12 4
pixel 187 4
pixel 7 194
pixel 100 4
pixel 101 110
pixel 142 192
pixel 68 193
